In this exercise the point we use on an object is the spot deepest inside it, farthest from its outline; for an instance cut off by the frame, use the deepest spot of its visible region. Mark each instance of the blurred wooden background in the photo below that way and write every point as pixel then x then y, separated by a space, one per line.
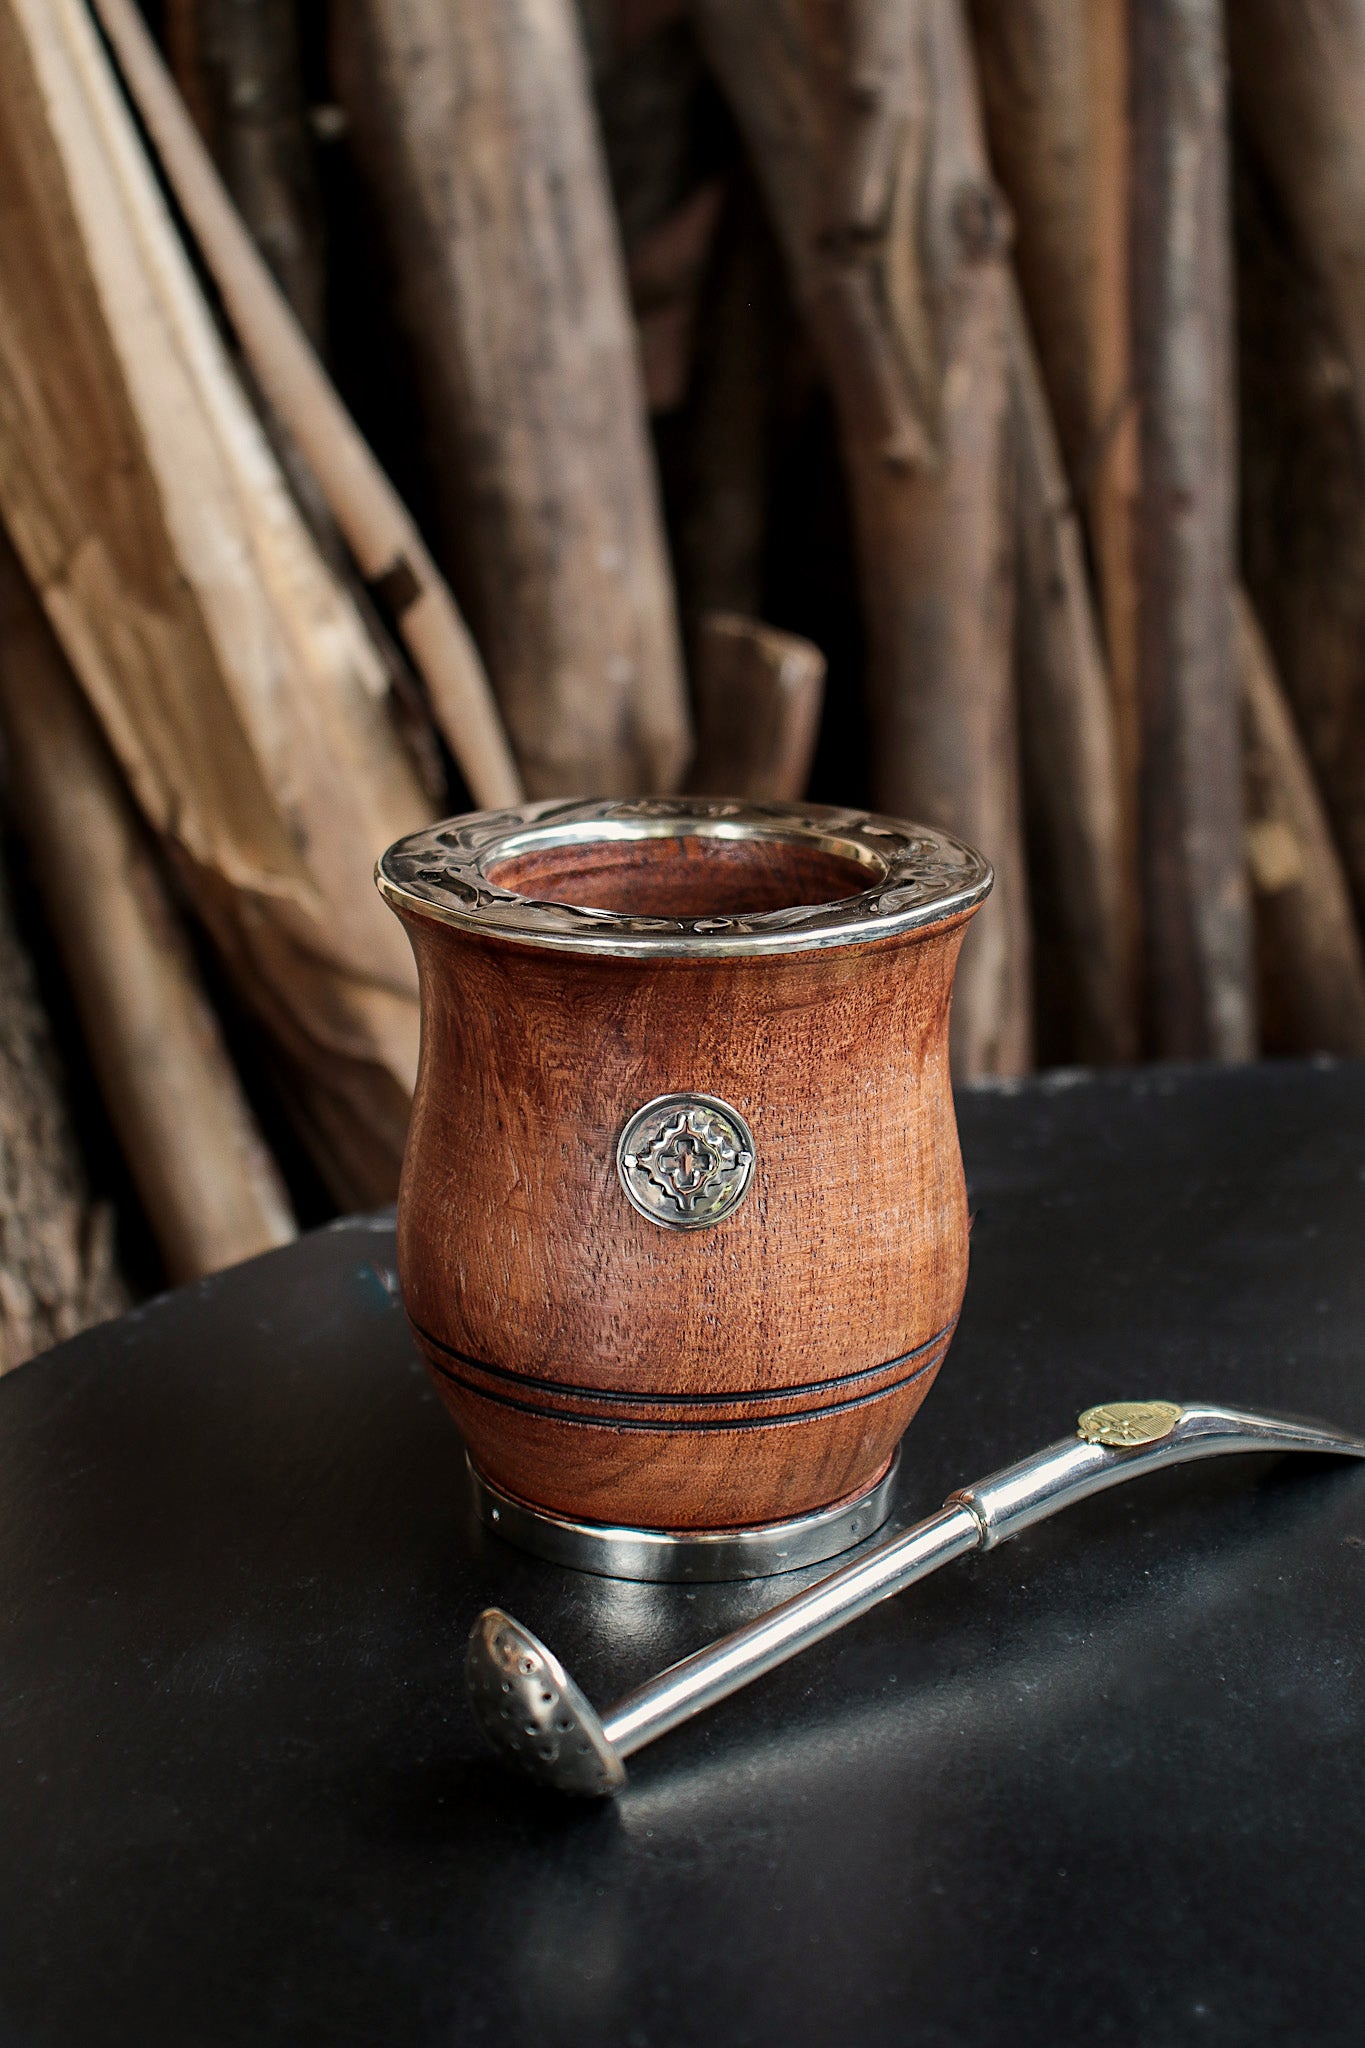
pixel 404 405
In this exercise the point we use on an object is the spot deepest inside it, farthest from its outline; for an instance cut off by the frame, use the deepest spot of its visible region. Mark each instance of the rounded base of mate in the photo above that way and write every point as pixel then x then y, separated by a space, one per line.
pixel 689 1556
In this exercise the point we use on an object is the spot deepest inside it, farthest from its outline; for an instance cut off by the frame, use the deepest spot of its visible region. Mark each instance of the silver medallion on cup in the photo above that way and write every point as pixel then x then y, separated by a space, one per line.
pixel 686 1161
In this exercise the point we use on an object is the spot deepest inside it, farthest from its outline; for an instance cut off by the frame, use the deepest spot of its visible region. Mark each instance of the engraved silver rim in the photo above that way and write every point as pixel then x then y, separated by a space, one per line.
pixel 691 1557
pixel 917 876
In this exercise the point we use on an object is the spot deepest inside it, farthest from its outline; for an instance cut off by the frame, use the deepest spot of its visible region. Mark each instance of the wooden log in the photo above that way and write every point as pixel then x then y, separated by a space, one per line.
pixel 58 1271
pixel 1303 520
pixel 239 65
pixel 1055 87
pixel 668 151
pixel 1112 485
pixel 655 106
pixel 1197 934
pixel 182 38
pixel 1298 74
pixel 232 680
pixel 1035 89
pixel 1070 730
pixel 210 1188
pixel 475 129
pixel 665 273
pixel 759 693
pixel 376 524
pixel 239 69
pixel 1312 961
pixel 866 136
pixel 743 333
pixel 1299 71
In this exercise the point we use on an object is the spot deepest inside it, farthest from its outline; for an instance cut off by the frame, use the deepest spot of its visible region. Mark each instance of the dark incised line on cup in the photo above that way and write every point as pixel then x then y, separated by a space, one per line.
pixel 659 1398
pixel 674 1423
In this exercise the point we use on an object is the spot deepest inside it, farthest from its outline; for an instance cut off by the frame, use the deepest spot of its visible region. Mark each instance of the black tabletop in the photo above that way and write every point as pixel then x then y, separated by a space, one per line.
pixel 1104 1782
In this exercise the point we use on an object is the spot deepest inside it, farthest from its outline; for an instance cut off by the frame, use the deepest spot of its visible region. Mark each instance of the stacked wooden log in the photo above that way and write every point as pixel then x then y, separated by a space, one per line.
pixel 953 407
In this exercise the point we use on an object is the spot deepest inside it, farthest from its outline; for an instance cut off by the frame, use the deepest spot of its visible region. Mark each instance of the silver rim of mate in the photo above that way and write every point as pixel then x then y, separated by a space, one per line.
pixel 916 876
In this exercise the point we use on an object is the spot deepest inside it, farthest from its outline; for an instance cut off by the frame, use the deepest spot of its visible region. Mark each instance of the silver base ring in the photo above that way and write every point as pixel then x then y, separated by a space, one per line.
pixel 690 1556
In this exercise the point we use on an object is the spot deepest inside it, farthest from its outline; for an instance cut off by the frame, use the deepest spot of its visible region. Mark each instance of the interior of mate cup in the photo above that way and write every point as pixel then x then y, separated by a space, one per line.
pixel 685 874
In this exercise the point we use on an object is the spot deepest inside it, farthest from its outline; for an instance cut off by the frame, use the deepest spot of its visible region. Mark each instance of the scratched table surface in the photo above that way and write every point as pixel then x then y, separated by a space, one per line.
pixel 1104 1783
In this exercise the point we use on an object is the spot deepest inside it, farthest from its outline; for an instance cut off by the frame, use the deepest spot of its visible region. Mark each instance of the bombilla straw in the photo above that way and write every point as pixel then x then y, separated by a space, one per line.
pixel 537 1718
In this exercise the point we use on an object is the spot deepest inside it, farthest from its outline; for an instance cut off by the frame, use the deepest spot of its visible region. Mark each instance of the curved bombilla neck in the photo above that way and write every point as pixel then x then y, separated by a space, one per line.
pixel 536 1717
pixel 1120 1440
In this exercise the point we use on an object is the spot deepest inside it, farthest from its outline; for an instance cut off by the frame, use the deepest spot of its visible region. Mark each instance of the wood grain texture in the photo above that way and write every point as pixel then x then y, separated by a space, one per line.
pixel 606 1367
pixel 1070 732
pixel 1311 963
pixel 741 369
pixel 1033 60
pixel 58 1265
pixel 866 137
pixel 1303 470
pixel 1054 78
pixel 377 526
pixel 1299 71
pixel 759 692
pixel 1196 911
pixel 212 1192
pixel 475 127
pixel 235 684
pixel 240 69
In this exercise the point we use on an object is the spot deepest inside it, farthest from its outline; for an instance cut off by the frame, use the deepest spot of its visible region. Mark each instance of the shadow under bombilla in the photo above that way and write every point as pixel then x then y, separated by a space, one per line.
pixel 537 1718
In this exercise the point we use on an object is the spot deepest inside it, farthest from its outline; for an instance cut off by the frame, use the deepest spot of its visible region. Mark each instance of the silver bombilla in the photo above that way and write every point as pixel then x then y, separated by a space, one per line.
pixel 537 1718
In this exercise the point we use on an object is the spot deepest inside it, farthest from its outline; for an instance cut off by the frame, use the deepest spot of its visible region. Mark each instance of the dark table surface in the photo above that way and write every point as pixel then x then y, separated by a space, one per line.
pixel 1104 1783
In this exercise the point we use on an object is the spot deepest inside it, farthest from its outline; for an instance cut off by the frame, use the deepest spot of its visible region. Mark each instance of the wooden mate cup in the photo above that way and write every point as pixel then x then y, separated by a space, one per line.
pixel 682 1229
